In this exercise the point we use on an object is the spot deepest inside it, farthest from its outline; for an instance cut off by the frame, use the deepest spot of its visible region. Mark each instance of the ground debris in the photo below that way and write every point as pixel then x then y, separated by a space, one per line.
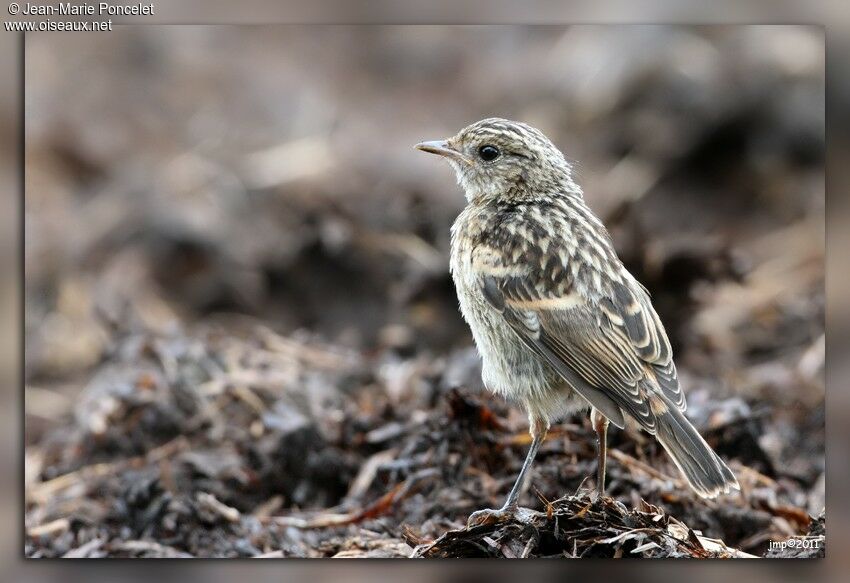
pixel 811 545
pixel 252 470
pixel 578 527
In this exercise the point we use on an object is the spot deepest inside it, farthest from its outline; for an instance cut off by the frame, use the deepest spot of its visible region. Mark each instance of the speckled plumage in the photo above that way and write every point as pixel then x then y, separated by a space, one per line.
pixel 559 321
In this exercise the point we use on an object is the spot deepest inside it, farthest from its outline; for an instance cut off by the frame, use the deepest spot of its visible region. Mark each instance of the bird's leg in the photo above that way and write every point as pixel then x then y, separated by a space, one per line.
pixel 538 429
pixel 513 495
pixel 600 425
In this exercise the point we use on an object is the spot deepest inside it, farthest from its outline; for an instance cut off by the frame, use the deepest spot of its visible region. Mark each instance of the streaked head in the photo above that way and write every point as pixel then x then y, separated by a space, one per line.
pixel 498 158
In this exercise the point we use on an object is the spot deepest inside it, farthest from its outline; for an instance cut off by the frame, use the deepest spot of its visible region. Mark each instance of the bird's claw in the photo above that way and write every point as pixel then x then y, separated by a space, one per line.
pixel 489 516
pixel 596 496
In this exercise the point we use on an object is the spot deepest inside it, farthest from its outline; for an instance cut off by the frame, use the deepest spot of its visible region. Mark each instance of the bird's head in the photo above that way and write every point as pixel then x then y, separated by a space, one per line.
pixel 499 159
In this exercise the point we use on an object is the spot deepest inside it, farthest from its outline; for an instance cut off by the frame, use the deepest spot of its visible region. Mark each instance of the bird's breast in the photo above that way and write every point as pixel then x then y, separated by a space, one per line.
pixel 509 367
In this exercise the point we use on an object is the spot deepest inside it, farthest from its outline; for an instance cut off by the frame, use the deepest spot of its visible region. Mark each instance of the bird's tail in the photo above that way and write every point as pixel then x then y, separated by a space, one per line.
pixel 706 473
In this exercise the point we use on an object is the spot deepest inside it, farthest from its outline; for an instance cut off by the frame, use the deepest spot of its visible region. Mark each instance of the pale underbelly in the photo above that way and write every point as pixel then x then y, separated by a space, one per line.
pixel 510 368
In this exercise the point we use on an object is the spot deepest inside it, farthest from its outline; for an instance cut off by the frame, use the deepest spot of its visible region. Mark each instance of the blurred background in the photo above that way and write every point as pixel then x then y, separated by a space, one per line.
pixel 238 310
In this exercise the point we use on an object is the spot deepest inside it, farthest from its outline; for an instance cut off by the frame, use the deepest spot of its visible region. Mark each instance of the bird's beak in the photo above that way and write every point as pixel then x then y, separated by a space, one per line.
pixel 442 148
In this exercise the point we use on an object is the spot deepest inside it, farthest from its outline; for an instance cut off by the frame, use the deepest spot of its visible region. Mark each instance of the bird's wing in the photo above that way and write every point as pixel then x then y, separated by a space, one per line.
pixel 610 346
pixel 627 309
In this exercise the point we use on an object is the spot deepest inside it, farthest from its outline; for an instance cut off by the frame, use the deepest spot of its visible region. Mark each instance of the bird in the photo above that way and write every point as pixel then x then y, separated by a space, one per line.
pixel 560 324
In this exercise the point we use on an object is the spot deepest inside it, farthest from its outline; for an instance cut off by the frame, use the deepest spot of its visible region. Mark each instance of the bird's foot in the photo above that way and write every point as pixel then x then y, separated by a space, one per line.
pixel 504 514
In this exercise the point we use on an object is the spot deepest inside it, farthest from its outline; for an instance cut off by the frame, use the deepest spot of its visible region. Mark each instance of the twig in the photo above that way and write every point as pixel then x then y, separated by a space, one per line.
pixel 316 357
pixel 84 550
pixel 524 438
pixel 377 508
pixel 758 476
pixel 57 526
pixel 250 398
pixel 40 493
pixel 367 473
pixel 264 510
pixel 143 546
pixel 278 554
pixel 632 462
pixel 214 505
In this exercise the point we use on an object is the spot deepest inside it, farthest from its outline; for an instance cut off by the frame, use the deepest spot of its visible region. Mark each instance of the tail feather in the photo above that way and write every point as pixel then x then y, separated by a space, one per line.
pixel 707 474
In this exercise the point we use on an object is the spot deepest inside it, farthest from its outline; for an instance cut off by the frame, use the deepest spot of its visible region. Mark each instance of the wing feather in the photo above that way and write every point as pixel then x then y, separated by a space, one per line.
pixel 611 349
pixel 636 319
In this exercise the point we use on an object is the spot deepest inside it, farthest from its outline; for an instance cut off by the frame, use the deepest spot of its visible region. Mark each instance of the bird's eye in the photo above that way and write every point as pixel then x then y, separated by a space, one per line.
pixel 488 153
